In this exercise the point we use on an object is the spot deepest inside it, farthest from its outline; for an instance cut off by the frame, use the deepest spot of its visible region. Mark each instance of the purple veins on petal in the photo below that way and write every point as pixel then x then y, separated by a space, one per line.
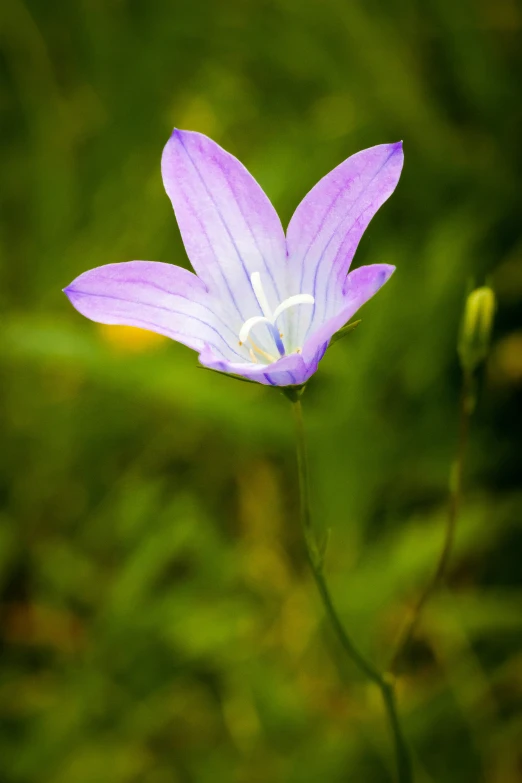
pixel 329 222
pixel 160 297
pixel 284 372
pixel 228 225
pixel 360 286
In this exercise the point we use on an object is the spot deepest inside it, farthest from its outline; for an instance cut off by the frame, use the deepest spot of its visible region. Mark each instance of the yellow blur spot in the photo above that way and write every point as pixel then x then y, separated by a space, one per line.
pixel 507 360
pixel 130 339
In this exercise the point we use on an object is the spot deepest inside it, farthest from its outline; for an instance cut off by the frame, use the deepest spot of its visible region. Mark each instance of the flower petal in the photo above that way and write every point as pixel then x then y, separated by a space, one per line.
pixel 327 225
pixel 289 371
pixel 160 297
pixel 229 227
pixel 360 285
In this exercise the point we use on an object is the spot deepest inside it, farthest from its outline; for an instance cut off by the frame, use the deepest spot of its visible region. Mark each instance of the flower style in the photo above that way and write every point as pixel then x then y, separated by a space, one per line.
pixel 261 305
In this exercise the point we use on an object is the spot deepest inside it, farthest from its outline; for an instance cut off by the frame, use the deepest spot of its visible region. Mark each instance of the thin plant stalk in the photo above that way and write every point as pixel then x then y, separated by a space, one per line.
pixel 457 470
pixel 315 557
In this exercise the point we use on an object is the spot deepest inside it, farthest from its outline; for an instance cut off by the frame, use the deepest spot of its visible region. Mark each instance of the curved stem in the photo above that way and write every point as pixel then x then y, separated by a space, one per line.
pixel 457 469
pixel 315 558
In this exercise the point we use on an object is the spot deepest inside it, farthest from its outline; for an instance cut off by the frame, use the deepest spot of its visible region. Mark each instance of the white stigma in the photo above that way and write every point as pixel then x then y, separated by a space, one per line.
pixel 269 317
pixel 259 291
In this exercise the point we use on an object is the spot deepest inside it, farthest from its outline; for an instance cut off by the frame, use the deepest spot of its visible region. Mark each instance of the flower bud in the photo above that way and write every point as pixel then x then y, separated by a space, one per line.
pixel 476 327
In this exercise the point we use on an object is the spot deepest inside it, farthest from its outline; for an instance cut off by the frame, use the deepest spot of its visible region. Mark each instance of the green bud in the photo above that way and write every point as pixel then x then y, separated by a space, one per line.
pixel 476 327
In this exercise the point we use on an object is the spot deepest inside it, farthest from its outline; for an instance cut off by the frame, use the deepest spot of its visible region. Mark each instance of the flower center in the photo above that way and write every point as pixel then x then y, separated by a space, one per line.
pixel 269 318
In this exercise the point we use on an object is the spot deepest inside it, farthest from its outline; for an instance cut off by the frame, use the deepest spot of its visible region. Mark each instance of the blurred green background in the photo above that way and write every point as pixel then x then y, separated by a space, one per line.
pixel 158 622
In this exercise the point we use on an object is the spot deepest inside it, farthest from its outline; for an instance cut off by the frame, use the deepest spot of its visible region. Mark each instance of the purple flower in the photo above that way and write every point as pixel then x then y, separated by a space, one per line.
pixel 260 305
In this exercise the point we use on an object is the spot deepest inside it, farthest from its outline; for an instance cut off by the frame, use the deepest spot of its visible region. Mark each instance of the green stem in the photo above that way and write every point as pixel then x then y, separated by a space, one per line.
pixel 457 469
pixel 315 558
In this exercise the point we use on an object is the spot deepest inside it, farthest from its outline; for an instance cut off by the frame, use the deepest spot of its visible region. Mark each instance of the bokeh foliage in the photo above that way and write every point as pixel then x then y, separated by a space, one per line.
pixel 158 624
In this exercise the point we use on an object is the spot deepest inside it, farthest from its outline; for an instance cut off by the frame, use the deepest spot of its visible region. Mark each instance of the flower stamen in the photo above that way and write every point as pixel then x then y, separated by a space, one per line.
pixel 269 317
pixel 261 352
